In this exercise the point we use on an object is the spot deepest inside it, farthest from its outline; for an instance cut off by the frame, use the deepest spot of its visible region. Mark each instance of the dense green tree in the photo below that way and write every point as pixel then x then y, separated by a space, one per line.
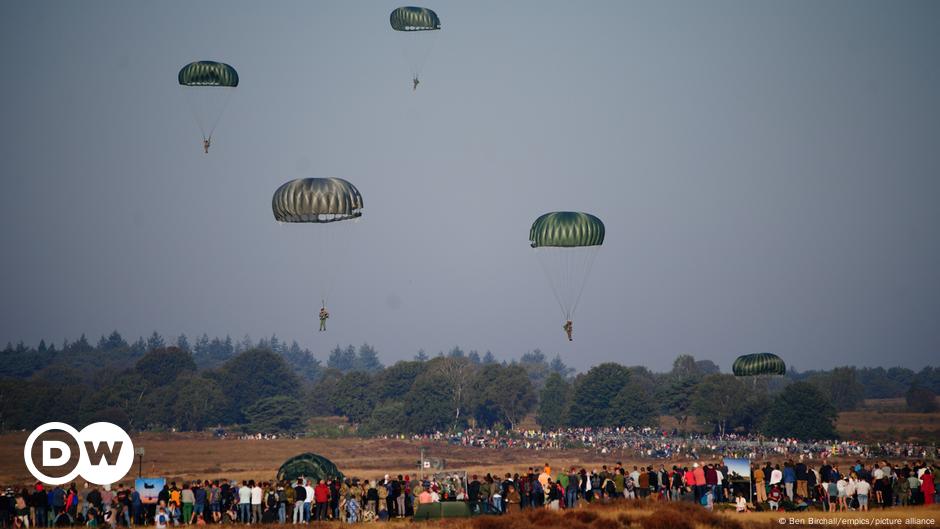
pixel 394 382
pixel 593 394
pixel 501 394
pixel 320 397
pixel 253 375
pixel 633 406
pixel 112 342
pixel 427 406
pixel 155 342
pixel 553 402
pixel 199 403
pixel 387 418
pixel 421 356
pixel 162 366
pixel 718 400
pixel 558 366
pixel 342 360
pixel 302 362
pixel 182 342
pixel 368 360
pixel 127 393
pixel 675 397
pixel 274 414
pixel 353 396
pixel 921 399
pixel 928 377
pixel 841 387
pixel 801 410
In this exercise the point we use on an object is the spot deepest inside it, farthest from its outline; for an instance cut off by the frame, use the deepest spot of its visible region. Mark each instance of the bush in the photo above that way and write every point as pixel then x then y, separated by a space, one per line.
pixel 667 519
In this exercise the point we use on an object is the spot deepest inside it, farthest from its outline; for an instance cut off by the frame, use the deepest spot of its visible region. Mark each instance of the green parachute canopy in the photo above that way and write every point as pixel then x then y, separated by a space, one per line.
pixel 566 243
pixel 566 229
pixel 414 19
pixel 208 73
pixel 759 364
pixel 308 465
pixel 316 200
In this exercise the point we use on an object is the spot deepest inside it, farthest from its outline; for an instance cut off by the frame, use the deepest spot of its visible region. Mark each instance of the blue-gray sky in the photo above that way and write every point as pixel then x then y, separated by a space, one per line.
pixel 768 172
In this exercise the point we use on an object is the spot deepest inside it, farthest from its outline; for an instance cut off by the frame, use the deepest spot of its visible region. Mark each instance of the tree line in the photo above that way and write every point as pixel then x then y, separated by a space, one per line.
pixel 269 385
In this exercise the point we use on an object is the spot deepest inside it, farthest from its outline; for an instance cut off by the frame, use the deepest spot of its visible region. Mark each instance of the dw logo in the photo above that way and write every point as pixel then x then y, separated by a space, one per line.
pixel 101 453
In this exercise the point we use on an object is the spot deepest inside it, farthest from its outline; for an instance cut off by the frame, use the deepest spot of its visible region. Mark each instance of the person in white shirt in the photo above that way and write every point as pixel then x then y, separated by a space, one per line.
pixel 740 504
pixel 308 501
pixel 256 493
pixel 841 486
pixel 776 476
pixel 863 489
pixel 162 519
pixel 244 503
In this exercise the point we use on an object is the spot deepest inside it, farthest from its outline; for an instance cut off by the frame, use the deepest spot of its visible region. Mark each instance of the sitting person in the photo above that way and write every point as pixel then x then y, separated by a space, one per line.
pixel 799 503
pixel 740 504
pixel 774 498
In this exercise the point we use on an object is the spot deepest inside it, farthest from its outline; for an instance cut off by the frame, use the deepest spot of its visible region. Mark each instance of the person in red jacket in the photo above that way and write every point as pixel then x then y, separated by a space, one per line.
pixel 321 494
pixel 927 487
pixel 698 475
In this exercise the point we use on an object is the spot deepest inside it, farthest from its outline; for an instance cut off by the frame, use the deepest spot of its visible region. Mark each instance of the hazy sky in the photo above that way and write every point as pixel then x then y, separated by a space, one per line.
pixel 768 172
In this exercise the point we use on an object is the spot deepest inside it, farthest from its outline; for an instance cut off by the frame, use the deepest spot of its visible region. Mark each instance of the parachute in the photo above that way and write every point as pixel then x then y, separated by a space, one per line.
pixel 567 243
pixel 308 465
pixel 208 86
pixel 758 364
pixel 324 202
pixel 414 19
pixel 416 28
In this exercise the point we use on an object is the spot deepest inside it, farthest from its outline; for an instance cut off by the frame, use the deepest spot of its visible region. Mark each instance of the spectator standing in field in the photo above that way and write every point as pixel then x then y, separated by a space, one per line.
pixel 300 496
pixel 188 499
pixel 862 489
pixel 256 495
pixel 308 501
pixel 927 486
pixel 244 503
pixel 789 478
pixel 199 496
pixel 760 486
pixel 322 496
pixel 802 480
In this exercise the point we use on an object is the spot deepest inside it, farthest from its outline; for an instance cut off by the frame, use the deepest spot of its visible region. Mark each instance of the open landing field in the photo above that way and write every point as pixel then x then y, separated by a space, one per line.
pixel 191 456
pixel 879 420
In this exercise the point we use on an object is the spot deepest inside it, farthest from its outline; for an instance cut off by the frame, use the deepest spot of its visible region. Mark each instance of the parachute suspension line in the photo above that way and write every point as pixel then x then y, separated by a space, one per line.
pixel 194 111
pixel 588 265
pixel 218 117
pixel 543 260
pixel 427 52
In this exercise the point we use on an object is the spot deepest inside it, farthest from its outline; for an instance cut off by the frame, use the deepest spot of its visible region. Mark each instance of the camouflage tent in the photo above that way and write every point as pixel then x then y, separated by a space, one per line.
pixel 445 509
pixel 308 465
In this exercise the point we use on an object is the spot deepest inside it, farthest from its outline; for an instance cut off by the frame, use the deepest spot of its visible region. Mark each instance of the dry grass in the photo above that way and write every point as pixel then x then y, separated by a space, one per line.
pixel 886 420
pixel 192 456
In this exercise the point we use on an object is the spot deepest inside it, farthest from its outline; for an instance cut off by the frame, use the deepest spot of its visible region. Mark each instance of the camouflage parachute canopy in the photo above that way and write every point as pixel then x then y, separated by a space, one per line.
pixel 567 229
pixel 208 73
pixel 414 19
pixel 316 200
pixel 759 364
pixel 308 465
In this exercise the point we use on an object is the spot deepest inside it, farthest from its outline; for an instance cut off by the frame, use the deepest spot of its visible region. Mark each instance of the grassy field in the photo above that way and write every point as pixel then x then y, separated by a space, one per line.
pixel 190 456
pixel 885 419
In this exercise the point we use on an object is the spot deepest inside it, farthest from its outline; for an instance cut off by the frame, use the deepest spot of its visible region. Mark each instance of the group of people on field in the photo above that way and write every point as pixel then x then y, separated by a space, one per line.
pixel 792 485
pixel 854 487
